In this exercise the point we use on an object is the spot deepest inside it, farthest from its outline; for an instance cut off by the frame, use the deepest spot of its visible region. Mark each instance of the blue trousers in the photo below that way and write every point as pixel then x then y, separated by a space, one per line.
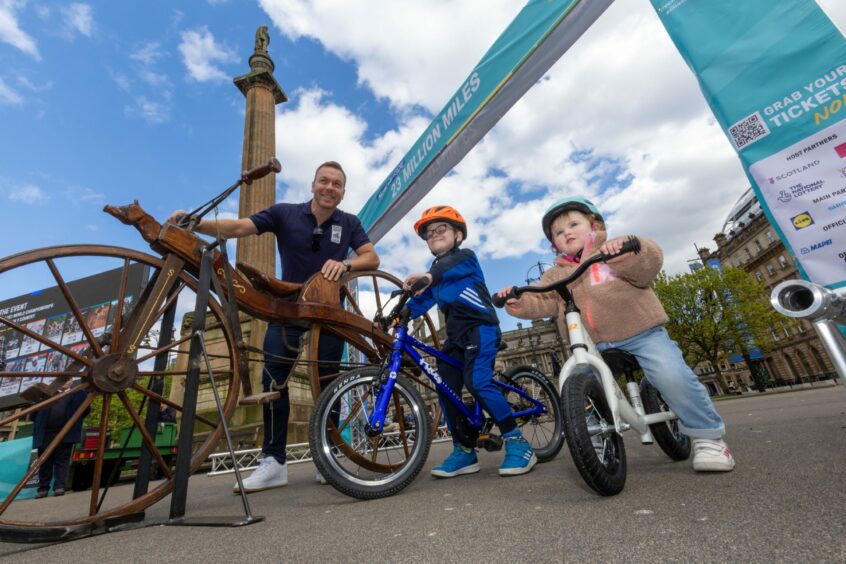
pixel 283 341
pixel 663 364
pixel 476 351
pixel 55 468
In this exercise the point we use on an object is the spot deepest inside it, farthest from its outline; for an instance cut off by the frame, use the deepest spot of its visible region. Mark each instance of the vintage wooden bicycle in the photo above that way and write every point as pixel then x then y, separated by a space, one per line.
pixel 134 361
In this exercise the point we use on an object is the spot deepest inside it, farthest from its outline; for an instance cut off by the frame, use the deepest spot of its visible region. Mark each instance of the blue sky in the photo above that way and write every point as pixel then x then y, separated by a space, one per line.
pixel 106 102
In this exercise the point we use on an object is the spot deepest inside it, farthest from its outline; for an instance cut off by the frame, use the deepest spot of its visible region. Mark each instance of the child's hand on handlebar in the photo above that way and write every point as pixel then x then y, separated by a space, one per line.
pixel 417 282
pixel 504 293
pixel 613 246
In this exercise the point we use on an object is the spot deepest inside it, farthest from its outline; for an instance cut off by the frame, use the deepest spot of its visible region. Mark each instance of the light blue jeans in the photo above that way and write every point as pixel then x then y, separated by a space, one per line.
pixel 663 364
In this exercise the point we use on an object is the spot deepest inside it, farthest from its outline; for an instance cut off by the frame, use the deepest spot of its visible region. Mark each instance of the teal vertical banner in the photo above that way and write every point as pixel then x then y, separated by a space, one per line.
pixel 774 74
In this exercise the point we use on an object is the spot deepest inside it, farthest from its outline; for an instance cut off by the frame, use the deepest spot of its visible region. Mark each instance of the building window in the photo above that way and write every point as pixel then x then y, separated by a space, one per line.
pixel 759 276
pixel 759 245
pixel 782 261
pixel 770 237
pixel 748 253
pixel 770 270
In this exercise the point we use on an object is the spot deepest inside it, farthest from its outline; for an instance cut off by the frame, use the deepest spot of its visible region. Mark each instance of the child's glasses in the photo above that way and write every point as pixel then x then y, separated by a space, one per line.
pixel 439 230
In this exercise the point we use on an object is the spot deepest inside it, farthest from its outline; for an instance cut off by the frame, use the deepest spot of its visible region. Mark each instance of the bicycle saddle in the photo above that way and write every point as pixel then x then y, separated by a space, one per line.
pixel 620 362
pixel 262 281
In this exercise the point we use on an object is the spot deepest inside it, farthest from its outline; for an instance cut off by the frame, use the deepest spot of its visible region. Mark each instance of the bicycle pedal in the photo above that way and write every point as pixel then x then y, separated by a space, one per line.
pixel 490 443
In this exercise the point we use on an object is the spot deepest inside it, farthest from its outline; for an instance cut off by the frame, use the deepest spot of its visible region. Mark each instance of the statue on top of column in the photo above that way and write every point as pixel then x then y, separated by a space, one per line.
pixel 262 39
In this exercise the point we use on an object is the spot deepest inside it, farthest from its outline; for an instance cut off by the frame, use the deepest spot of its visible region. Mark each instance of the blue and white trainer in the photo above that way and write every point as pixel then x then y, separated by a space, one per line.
pixel 458 463
pixel 519 457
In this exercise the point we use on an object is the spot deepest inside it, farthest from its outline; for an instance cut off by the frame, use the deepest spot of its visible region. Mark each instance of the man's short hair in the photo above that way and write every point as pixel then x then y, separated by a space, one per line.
pixel 332 164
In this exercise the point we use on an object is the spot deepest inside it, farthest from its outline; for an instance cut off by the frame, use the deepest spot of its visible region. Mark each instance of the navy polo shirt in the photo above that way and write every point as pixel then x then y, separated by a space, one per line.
pixel 294 224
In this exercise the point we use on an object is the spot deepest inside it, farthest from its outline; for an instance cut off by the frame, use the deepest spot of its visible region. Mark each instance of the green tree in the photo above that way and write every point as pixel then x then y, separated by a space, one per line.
pixel 714 314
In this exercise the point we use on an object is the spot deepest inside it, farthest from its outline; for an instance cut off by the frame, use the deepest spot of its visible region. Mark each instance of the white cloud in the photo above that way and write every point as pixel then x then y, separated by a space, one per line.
pixel 148 54
pixel 78 18
pixel 11 33
pixel 411 52
pixel 149 110
pixel 8 96
pixel 83 195
pixel 201 53
pixel 28 194
pixel 35 87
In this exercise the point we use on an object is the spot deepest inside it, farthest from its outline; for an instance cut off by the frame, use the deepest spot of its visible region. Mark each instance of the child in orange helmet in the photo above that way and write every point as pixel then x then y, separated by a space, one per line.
pixel 455 282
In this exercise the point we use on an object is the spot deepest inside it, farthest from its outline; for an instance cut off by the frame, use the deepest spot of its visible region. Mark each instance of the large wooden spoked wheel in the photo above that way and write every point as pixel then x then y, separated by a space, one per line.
pixel 81 343
pixel 367 293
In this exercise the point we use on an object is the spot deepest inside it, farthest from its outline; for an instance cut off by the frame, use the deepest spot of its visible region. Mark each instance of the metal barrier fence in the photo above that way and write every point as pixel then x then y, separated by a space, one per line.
pixel 248 459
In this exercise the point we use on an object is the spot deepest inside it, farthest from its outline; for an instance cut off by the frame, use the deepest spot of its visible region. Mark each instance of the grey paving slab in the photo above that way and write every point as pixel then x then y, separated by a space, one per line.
pixel 785 502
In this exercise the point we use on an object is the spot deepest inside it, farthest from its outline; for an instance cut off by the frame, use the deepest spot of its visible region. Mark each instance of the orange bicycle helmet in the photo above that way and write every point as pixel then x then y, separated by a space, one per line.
pixel 446 214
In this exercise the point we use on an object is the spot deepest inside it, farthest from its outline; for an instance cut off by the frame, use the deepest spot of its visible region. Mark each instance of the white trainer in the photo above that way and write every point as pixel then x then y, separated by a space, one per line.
pixel 269 474
pixel 318 477
pixel 712 456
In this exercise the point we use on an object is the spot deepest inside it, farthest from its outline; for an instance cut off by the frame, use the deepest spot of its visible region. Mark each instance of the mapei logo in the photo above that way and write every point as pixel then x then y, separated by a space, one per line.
pixel 802 220
pixel 815 247
pixel 784 196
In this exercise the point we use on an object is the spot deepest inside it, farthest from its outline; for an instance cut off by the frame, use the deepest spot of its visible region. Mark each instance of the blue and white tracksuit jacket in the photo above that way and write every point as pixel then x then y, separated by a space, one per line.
pixel 472 328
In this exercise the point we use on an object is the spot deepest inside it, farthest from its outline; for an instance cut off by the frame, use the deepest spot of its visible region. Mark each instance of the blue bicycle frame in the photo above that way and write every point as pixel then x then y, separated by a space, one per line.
pixel 405 343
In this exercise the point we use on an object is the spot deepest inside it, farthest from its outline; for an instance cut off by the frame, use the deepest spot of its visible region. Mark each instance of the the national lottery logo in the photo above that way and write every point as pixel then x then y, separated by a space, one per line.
pixel 784 196
pixel 802 220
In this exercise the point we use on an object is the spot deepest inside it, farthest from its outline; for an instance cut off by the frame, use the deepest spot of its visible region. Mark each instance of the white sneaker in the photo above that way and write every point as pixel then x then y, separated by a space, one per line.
pixel 269 474
pixel 712 456
pixel 318 477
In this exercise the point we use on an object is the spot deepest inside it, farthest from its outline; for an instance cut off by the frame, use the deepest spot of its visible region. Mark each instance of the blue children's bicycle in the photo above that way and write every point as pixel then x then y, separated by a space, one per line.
pixel 371 430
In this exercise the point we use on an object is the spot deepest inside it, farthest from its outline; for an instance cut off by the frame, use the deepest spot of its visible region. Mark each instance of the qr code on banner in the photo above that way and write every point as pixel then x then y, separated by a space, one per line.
pixel 748 130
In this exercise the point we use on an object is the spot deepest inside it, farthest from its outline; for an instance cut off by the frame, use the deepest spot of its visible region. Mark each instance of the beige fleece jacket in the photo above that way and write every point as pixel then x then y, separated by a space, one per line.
pixel 615 298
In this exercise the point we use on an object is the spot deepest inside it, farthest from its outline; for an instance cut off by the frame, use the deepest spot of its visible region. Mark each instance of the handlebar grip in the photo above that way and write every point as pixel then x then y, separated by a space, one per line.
pixel 418 285
pixel 261 171
pixel 500 302
pixel 630 246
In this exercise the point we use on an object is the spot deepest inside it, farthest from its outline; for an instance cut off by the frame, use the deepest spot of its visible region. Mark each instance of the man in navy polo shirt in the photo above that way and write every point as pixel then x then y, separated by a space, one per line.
pixel 312 237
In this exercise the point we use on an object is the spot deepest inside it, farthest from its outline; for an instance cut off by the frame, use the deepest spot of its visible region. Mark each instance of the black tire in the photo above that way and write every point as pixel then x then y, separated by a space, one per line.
pixel 545 432
pixel 672 441
pixel 82 476
pixel 602 464
pixel 369 467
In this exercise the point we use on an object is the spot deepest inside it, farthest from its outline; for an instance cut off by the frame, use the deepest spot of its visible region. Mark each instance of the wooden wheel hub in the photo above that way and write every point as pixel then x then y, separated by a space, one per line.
pixel 113 373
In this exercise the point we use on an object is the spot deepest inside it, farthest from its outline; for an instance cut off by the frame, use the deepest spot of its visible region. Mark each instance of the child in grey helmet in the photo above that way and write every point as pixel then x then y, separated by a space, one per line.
pixel 620 310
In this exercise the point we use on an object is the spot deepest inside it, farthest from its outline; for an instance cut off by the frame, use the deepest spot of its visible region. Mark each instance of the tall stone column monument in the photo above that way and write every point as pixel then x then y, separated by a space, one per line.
pixel 262 94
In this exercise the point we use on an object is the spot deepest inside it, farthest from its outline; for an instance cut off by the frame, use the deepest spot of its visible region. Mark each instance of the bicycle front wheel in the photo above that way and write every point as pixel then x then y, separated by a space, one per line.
pixel 544 431
pixel 356 463
pixel 597 449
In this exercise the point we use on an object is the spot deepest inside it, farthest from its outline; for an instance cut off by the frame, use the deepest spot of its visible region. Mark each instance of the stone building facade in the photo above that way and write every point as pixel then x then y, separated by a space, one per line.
pixel 750 242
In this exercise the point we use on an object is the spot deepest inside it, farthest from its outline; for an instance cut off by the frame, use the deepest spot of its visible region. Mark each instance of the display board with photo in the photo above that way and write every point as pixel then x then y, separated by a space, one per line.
pixel 46 313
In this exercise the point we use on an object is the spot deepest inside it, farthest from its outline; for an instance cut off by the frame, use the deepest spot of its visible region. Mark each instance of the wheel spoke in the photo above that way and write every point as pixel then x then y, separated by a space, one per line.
pixel 41 373
pixel 401 420
pixel 45 341
pixel 116 326
pixel 41 405
pixel 95 345
pixel 151 444
pixel 161 399
pixel 101 448
pixel 47 453
pixel 378 296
